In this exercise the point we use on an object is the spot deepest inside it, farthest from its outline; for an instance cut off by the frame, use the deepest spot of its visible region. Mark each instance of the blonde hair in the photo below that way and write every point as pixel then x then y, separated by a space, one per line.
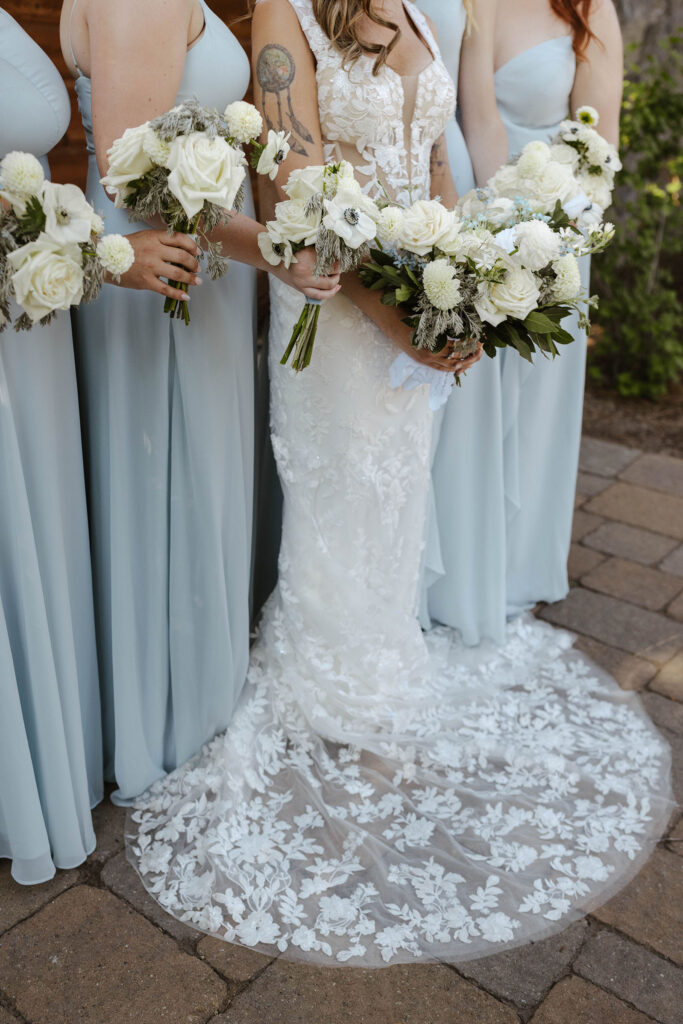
pixel 340 21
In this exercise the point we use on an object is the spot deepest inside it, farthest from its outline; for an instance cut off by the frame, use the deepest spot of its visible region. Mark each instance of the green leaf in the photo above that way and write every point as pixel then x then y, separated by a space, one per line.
pixel 539 322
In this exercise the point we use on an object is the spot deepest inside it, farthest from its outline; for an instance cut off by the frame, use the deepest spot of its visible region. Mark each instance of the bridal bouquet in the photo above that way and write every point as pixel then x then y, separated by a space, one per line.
pixel 501 269
pixel 325 208
pixel 188 166
pixel 53 250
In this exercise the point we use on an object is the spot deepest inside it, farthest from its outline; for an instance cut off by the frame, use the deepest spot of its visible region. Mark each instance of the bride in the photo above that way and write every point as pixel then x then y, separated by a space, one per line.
pixel 381 795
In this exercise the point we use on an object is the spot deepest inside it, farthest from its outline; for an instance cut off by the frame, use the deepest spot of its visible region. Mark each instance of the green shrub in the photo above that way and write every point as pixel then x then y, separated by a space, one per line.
pixel 639 346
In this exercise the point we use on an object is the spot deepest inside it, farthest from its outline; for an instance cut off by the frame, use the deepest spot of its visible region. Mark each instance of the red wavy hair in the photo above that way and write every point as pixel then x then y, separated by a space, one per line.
pixel 577 14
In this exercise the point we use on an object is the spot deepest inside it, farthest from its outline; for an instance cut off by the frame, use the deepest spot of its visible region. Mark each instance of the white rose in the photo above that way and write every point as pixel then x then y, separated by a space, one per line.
pixel 127 161
pixel 116 254
pixel 275 250
pixel 563 154
pixel 441 286
pixel 243 120
pixel 204 169
pixel 500 211
pixel 305 182
pixel 68 214
pixel 567 284
pixel 390 225
pixel 484 306
pixel 425 224
pixel 46 276
pixel 21 176
pixel 533 159
pixel 351 216
pixel 537 244
pixel 554 182
pixel 479 245
pixel 516 295
pixel 293 223
pixel 273 153
pixel 156 148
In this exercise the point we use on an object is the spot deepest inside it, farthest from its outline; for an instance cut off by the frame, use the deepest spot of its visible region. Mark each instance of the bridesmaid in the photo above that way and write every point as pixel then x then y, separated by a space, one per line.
pixel 50 746
pixel 464 573
pixel 169 414
pixel 528 66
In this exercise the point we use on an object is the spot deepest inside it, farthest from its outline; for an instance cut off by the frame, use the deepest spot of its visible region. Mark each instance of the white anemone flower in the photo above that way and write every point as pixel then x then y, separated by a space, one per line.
pixel 276 250
pixel 351 216
pixel 273 154
pixel 588 115
pixel 68 214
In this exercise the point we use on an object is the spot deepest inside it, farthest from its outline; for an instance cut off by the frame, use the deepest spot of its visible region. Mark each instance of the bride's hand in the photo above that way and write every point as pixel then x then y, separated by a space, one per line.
pixel 443 360
pixel 158 255
pixel 301 275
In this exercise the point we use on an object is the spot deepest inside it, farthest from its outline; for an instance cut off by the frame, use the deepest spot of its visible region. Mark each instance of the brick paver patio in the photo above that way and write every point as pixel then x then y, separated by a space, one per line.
pixel 90 947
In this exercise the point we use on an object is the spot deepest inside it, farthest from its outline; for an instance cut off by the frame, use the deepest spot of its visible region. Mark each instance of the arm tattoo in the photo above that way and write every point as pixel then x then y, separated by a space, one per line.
pixel 437 158
pixel 275 70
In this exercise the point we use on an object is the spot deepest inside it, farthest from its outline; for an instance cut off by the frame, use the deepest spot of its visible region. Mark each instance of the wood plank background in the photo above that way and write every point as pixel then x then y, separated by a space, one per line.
pixel 40 18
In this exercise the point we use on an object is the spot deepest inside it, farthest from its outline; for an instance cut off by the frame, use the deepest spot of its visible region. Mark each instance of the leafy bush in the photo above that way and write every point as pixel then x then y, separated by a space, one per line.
pixel 639 346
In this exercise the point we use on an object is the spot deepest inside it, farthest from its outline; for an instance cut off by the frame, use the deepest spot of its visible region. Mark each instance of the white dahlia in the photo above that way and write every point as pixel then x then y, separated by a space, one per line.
pixel 441 286
pixel 116 254
pixel 567 284
pixel 537 244
pixel 244 121
pixel 390 225
pixel 21 174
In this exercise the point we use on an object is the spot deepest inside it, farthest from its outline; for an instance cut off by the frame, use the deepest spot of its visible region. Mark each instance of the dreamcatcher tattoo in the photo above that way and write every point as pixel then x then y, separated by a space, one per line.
pixel 275 70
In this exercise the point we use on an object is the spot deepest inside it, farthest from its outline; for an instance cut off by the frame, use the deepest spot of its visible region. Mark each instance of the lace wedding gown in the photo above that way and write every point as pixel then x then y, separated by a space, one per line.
pixel 383 796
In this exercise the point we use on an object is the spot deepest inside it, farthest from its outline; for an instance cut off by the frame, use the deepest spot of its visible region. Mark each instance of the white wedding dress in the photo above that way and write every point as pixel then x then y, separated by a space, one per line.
pixel 381 795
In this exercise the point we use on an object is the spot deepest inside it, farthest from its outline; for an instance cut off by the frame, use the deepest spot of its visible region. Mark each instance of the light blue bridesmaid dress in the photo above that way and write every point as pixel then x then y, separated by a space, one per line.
pixel 50 725
pixel 464 575
pixel 169 424
pixel 542 404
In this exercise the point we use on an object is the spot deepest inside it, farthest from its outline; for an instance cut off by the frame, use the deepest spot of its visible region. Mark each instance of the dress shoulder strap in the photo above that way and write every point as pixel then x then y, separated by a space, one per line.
pixel 71 45
pixel 420 20
pixel 321 47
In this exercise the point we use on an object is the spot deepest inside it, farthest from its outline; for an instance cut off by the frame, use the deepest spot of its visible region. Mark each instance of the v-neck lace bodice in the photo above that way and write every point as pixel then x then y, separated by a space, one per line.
pixel 384 124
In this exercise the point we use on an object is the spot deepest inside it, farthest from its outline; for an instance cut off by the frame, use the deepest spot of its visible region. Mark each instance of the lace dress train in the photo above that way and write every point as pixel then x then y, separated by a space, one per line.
pixel 382 795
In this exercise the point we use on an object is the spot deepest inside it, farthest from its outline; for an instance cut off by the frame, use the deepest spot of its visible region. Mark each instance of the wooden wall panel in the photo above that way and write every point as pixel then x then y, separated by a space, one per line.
pixel 40 18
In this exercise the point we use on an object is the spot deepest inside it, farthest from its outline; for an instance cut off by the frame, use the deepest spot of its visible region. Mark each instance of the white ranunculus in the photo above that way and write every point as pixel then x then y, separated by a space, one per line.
pixel 156 148
pixel 517 294
pixel 390 225
pixel 563 154
pixel 21 176
pixel 441 286
pixel 425 225
pixel 68 214
pixel 537 244
pixel 204 169
pixel 305 182
pixel 47 276
pixel 351 216
pixel 127 161
pixel 273 153
pixel 533 158
pixel 597 188
pixel 567 284
pixel 275 250
pixel 292 222
pixel 116 254
pixel 243 120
